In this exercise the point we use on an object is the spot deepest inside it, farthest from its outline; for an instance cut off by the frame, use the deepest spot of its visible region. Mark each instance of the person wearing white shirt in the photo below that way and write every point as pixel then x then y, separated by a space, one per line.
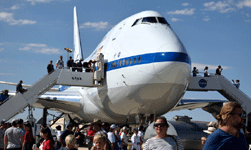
pixel 162 140
pixel 124 138
pixel 135 140
pixel 141 135
pixel 111 137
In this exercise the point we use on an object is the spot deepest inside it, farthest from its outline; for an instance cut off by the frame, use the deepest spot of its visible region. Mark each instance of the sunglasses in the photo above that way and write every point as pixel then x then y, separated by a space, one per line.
pixel 159 124
pixel 240 115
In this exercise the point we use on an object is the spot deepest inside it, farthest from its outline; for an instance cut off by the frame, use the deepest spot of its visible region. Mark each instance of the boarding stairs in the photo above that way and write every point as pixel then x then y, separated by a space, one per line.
pixel 19 102
pixel 223 86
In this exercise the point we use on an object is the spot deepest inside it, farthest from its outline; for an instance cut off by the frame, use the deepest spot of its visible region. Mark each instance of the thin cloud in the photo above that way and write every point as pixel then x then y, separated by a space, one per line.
pixel 185 4
pixel 1 49
pixel 201 67
pixel 33 2
pixel 40 48
pixel 96 25
pixel 175 19
pixel 8 17
pixel 182 12
pixel 221 6
pixel 14 7
pixel 244 3
pixel 247 20
pixel 206 19
pixel 6 74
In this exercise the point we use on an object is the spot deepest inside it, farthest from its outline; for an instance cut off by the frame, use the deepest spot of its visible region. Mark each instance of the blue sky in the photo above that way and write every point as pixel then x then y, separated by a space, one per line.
pixel 33 32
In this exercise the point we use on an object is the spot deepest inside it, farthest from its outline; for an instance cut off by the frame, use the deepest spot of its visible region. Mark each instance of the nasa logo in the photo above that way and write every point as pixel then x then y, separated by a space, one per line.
pixel 202 83
pixel 76 78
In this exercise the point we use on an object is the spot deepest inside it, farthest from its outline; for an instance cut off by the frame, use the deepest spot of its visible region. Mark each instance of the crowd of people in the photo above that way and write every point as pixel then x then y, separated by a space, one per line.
pixel 74 66
pixel 218 71
pixel 225 134
pixel 16 135
pixel 88 66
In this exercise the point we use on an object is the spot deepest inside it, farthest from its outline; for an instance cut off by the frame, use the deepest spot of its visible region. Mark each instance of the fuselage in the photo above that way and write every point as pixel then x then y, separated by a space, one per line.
pixel 147 71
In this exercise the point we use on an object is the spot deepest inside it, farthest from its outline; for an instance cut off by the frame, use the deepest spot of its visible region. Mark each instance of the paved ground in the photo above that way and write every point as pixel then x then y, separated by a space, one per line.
pixel 82 148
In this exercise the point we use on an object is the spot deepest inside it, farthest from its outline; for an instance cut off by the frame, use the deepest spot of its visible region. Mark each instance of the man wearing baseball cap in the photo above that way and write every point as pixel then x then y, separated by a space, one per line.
pixel 112 137
pixel 97 126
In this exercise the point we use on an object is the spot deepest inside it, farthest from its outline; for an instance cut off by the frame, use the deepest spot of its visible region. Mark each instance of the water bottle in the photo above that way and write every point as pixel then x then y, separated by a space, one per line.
pixel 34 147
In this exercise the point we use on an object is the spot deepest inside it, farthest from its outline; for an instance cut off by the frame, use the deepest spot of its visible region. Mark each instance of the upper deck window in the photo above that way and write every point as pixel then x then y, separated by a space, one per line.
pixel 149 20
pixel 162 20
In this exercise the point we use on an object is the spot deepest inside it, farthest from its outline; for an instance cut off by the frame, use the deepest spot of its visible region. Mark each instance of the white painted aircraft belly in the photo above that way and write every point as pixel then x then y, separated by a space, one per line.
pixel 156 95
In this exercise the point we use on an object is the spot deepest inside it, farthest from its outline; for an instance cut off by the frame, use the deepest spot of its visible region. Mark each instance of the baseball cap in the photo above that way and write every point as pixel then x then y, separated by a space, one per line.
pixel 14 121
pixel 113 126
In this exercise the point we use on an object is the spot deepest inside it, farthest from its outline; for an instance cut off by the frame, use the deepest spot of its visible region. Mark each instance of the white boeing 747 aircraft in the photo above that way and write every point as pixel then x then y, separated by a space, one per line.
pixel 147 72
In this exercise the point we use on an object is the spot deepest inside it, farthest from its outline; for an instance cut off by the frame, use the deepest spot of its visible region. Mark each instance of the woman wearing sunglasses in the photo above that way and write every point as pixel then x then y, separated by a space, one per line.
pixel 163 141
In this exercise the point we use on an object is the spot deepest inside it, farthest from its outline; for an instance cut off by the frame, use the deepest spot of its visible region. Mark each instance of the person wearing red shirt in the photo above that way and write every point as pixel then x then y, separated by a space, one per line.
pixel 28 137
pixel 90 134
pixel 48 144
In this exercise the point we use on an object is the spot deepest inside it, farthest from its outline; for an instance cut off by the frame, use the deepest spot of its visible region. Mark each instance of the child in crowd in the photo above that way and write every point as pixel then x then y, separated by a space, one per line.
pixel 99 140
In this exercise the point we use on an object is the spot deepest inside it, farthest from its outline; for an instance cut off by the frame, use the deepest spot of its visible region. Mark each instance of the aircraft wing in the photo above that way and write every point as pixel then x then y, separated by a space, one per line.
pixel 209 105
pixel 191 104
pixel 25 85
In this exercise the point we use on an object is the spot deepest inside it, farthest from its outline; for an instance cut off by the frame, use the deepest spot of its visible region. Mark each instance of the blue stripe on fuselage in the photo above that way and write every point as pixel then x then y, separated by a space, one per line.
pixel 148 58
pixel 144 59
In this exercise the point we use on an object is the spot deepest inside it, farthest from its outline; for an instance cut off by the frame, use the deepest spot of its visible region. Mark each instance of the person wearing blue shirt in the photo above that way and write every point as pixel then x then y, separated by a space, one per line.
pixel 1 97
pixel 4 95
pixel 228 136
pixel 237 84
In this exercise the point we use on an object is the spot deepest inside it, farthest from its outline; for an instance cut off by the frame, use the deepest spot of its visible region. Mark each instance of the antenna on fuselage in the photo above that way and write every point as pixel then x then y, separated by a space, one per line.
pixel 77 55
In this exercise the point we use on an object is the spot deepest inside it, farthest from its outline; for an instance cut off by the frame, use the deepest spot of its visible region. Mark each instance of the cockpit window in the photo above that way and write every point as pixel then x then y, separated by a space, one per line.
pixel 135 22
pixel 162 20
pixel 138 21
pixel 149 20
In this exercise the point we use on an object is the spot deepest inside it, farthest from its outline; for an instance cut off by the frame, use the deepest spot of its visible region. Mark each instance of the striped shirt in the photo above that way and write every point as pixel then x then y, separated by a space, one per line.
pixel 167 143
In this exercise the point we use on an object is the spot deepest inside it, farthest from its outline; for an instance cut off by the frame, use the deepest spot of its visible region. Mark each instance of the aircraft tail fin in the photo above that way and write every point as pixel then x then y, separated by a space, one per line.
pixel 77 55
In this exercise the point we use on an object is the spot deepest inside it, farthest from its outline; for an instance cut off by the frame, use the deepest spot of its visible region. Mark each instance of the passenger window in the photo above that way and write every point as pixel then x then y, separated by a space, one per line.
pixel 111 65
pixel 123 62
pixel 114 64
pixel 135 60
pixel 139 59
pixel 127 61
pixel 130 60
pixel 163 20
pixel 117 63
pixel 120 63
pixel 149 20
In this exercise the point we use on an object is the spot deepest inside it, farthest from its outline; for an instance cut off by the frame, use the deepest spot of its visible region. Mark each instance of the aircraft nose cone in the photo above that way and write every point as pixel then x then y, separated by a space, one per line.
pixel 172 66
